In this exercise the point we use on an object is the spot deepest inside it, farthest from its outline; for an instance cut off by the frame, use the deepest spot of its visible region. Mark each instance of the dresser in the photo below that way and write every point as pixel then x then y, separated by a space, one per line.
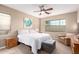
pixel 11 42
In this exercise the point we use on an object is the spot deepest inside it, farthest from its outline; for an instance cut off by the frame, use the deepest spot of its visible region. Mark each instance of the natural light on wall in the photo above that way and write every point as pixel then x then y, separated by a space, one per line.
pixel 57 25
pixel 74 27
pixel 5 21
pixel 57 22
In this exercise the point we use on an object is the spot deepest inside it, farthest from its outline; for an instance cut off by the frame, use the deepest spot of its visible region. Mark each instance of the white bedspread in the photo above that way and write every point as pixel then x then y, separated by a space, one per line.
pixel 34 40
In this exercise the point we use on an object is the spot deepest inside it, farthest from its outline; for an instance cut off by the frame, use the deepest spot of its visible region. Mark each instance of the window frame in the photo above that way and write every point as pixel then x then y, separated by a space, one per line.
pixel 55 25
pixel 9 25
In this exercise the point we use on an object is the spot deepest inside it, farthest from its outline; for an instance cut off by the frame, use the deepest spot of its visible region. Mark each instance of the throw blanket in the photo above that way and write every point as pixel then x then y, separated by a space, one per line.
pixel 35 39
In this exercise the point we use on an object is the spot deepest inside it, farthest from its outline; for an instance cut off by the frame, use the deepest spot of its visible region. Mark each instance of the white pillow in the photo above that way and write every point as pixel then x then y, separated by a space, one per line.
pixel 33 31
pixel 23 31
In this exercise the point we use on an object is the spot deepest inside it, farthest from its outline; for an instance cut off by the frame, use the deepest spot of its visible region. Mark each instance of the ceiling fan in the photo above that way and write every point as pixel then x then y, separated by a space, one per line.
pixel 43 9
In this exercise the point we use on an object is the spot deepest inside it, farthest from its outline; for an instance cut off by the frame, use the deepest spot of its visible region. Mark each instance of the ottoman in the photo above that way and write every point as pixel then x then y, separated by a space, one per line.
pixel 48 47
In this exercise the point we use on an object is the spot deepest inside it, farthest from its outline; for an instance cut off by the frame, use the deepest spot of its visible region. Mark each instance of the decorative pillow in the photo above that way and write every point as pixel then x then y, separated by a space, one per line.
pixel 70 35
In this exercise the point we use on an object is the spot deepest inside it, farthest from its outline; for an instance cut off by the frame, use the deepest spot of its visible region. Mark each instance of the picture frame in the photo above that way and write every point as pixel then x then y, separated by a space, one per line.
pixel 27 22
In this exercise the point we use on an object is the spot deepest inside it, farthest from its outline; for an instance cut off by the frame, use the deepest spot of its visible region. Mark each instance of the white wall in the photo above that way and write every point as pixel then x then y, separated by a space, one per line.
pixel 71 23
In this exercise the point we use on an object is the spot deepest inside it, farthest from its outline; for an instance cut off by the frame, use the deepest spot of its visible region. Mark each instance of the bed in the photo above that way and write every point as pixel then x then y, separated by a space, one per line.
pixel 34 39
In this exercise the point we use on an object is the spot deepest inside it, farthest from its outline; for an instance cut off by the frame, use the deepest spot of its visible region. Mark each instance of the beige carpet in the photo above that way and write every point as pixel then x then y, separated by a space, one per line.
pixel 23 49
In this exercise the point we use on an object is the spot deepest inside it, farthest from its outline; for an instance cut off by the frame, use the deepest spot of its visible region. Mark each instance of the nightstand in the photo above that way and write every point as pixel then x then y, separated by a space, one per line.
pixel 11 42
pixel 75 46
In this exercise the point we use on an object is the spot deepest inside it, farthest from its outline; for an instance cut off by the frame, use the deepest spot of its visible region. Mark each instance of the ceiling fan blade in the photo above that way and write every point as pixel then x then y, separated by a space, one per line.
pixel 47 12
pixel 36 11
pixel 48 9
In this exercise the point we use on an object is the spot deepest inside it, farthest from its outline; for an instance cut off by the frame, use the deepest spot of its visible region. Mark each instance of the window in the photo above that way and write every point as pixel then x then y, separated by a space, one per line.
pixel 55 25
pixel 4 21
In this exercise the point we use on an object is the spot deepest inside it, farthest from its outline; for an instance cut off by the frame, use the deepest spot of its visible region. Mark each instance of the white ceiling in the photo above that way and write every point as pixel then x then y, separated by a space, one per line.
pixel 58 8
